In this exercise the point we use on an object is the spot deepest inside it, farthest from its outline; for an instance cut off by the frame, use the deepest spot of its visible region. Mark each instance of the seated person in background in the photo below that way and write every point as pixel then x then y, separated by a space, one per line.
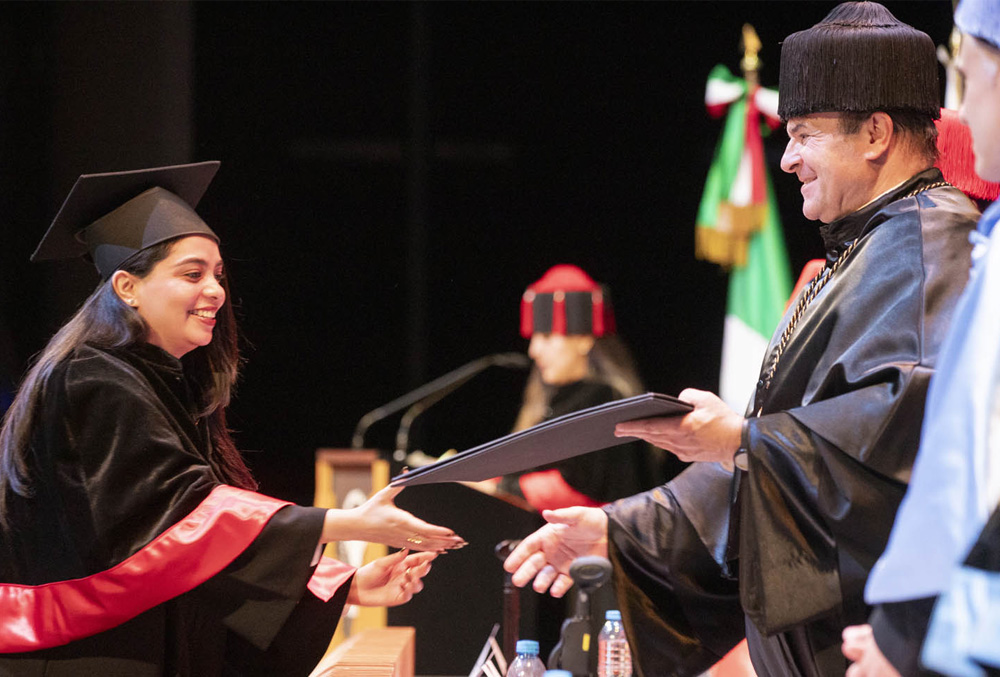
pixel 579 363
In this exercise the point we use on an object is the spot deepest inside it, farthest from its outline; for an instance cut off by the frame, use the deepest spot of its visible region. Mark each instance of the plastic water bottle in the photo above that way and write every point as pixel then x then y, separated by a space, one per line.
pixel 613 656
pixel 526 663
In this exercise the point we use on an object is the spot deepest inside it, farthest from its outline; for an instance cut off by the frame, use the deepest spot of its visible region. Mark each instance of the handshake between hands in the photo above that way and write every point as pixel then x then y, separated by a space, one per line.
pixel 710 432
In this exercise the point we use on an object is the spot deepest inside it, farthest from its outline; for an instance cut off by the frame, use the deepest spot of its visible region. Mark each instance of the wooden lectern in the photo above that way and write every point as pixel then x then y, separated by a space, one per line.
pixel 346 478
pixel 385 652
pixel 463 595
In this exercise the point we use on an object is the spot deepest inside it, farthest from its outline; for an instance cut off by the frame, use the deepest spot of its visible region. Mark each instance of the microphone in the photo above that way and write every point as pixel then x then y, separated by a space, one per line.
pixel 429 393
pixel 572 652
pixel 506 360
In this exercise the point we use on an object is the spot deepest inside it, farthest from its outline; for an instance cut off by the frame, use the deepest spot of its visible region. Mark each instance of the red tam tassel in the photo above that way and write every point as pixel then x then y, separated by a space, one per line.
pixel 527 313
pixel 957 161
pixel 597 313
pixel 559 312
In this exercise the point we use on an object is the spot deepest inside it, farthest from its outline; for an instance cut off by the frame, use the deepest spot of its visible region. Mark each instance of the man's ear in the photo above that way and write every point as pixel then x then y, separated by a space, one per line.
pixel 878 133
pixel 124 284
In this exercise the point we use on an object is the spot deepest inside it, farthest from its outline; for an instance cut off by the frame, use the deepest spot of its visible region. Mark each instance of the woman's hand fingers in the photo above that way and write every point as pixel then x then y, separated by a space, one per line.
pixel 383 522
pixel 389 493
pixel 391 580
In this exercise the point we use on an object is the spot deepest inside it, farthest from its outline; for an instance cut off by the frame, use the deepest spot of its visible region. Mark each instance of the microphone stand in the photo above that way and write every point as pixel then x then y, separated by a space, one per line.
pixel 511 601
pixel 403 432
pixel 573 650
pixel 434 391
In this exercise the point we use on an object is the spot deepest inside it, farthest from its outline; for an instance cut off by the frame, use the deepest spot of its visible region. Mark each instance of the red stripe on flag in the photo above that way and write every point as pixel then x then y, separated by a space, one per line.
pixel 755 147
pixel 716 110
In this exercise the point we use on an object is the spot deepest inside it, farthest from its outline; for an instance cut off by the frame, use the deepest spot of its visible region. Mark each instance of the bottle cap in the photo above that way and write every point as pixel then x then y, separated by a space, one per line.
pixel 528 646
pixel 558 673
pixel 612 615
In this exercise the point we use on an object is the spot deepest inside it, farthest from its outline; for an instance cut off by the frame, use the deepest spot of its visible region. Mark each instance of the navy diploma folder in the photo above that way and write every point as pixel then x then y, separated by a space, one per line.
pixel 573 434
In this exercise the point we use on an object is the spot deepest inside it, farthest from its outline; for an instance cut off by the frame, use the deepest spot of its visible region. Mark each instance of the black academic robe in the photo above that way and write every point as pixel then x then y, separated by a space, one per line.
pixel 829 457
pixel 132 557
pixel 607 474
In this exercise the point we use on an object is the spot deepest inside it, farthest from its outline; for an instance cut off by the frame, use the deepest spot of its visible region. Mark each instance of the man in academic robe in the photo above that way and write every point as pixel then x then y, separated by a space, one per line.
pixel 772 532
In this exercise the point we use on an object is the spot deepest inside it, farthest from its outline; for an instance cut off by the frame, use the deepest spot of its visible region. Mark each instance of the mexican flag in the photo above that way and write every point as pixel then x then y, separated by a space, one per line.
pixel 738 227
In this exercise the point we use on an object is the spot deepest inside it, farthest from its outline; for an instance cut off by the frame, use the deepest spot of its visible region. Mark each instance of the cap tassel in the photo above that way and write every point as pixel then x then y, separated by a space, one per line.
pixel 559 313
pixel 957 161
pixel 597 313
pixel 527 313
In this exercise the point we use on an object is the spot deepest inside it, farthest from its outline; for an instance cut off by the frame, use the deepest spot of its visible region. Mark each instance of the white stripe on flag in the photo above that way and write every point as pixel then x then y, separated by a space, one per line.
pixel 742 353
pixel 721 92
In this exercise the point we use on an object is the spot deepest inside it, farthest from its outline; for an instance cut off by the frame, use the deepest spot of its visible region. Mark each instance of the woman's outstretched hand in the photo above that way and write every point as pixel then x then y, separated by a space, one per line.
pixel 378 520
pixel 391 580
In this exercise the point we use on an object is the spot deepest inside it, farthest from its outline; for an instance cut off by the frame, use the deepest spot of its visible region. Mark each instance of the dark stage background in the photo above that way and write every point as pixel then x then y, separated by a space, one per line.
pixel 393 175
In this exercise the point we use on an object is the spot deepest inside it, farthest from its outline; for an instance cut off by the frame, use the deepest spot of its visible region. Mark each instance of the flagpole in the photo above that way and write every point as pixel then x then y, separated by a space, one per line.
pixel 750 63
pixel 738 225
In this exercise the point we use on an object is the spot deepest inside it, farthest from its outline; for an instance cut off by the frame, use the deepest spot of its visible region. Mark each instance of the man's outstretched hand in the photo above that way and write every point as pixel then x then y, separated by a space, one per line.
pixel 547 554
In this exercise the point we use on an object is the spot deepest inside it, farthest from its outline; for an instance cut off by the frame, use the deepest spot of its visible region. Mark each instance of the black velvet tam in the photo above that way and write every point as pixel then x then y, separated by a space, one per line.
pixel 860 58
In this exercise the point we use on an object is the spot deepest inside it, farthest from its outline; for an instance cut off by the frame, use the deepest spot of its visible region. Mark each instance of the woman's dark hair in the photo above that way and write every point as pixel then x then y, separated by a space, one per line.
pixel 105 321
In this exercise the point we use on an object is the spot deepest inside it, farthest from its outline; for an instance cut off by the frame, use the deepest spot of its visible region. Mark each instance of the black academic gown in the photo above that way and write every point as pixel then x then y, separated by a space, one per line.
pixel 829 458
pixel 131 557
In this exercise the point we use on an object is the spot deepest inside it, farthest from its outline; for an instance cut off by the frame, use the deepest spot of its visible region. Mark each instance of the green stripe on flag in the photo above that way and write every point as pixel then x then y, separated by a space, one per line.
pixel 759 290
pixel 722 172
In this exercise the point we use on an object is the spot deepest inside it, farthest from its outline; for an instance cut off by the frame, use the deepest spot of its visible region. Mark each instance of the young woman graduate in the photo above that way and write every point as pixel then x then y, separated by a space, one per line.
pixel 132 540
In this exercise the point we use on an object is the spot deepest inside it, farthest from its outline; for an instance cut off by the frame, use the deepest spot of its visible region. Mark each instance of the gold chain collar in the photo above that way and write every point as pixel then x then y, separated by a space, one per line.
pixel 810 293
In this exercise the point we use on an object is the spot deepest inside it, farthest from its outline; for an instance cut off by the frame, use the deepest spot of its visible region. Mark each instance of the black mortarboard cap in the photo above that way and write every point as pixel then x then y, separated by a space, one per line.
pixel 109 217
pixel 860 58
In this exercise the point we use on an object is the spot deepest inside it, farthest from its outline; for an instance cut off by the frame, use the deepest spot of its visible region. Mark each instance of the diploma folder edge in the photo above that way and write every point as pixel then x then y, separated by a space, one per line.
pixel 576 433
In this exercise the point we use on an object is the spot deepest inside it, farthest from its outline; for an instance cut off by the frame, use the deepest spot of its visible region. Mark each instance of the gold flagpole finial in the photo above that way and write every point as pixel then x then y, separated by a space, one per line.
pixel 751 46
pixel 954 85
